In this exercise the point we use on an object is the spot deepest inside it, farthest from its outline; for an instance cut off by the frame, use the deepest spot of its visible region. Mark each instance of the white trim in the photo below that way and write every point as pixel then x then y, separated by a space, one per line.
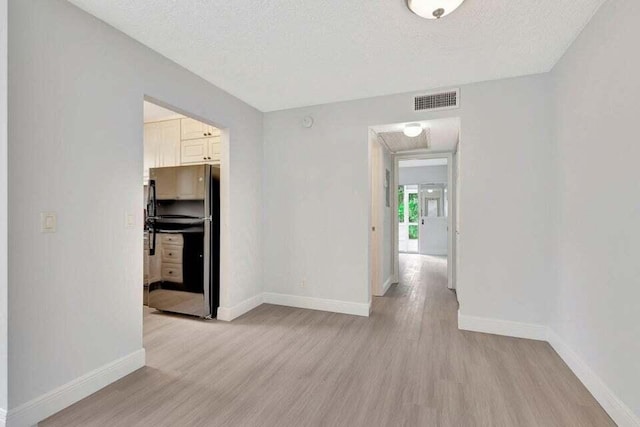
pixel 36 410
pixel 227 314
pixel 621 414
pixel 502 327
pixel 617 410
pixel 3 417
pixel 334 306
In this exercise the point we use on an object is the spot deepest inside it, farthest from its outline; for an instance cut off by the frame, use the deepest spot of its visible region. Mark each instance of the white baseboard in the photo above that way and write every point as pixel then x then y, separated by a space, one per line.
pixel 229 313
pixel 617 410
pixel 620 413
pixel 502 327
pixel 3 417
pixel 36 410
pixel 334 306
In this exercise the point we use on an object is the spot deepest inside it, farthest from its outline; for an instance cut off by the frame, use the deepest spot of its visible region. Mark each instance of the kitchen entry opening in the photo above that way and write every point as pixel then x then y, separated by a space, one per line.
pixel 182 161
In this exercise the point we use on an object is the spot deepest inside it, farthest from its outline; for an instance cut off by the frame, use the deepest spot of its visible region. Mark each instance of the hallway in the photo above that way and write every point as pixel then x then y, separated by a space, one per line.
pixel 407 364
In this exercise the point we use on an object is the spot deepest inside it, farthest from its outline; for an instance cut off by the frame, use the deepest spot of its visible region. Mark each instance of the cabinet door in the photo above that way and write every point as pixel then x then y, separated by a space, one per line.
pixel 193 129
pixel 214 131
pixel 194 151
pixel 166 188
pixel 169 146
pixel 190 183
pixel 214 149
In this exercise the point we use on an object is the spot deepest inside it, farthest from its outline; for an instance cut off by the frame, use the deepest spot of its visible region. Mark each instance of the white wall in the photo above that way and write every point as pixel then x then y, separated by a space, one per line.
pixel 422 175
pixel 316 195
pixel 597 312
pixel 3 208
pixel 75 113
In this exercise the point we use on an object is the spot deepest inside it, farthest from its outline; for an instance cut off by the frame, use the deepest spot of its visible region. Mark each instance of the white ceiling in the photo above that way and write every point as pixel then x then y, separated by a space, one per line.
pixel 156 113
pixel 290 53
pixel 443 133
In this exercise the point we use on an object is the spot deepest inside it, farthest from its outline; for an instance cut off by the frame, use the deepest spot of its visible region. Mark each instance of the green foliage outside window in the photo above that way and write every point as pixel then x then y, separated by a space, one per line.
pixel 401 203
pixel 413 207
pixel 413 232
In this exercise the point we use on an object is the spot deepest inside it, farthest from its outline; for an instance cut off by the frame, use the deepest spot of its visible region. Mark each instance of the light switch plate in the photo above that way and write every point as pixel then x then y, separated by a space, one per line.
pixel 48 222
pixel 129 220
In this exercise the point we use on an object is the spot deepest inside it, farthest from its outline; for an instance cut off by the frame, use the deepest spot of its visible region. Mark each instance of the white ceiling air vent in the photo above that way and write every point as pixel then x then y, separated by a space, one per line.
pixel 437 101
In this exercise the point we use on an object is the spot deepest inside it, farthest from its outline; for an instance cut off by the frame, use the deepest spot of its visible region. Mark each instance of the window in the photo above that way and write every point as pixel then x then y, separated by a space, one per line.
pixel 432 207
pixel 413 207
pixel 413 232
pixel 401 203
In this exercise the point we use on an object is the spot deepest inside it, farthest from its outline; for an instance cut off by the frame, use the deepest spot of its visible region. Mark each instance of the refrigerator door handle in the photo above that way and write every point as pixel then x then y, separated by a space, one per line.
pixel 152 240
pixel 151 199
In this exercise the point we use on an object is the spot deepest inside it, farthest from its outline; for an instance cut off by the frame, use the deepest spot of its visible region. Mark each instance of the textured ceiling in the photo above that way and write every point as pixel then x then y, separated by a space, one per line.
pixel 397 142
pixel 290 53
pixel 443 133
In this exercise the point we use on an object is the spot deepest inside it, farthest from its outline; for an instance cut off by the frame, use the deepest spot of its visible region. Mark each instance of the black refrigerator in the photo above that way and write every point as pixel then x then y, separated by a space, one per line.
pixel 183 226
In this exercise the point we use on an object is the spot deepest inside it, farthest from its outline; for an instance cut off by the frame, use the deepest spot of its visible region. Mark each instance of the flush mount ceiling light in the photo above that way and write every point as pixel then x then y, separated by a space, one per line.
pixel 433 9
pixel 412 130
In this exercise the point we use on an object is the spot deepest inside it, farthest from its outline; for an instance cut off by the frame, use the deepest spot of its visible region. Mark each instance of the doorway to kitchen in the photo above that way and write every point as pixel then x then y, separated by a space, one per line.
pixel 182 199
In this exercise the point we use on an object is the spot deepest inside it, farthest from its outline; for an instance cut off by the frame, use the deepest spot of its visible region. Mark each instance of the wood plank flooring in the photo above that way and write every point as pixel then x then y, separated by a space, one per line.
pixel 406 365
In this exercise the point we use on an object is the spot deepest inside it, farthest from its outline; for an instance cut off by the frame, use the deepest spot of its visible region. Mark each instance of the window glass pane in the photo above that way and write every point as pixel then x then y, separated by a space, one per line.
pixel 413 232
pixel 401 203
pixel 432 207
pixel 413 207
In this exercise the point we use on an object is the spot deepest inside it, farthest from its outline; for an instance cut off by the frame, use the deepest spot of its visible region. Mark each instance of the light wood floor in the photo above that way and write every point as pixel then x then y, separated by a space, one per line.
pixel 406 365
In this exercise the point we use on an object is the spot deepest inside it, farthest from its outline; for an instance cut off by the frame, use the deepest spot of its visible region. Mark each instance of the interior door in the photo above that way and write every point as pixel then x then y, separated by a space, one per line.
pixel 433 234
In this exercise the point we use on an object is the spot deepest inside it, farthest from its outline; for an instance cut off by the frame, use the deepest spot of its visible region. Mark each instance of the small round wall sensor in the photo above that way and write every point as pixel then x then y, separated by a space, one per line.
pixel 307 121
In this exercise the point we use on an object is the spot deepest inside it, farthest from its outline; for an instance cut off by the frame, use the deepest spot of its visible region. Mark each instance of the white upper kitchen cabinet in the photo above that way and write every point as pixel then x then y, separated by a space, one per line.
pixel 202 150
pixel 193 129
pixel 195 151
pixel 161 145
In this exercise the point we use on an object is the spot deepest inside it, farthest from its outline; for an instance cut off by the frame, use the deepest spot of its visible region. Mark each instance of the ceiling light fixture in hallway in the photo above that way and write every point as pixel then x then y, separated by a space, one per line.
pixel 433 9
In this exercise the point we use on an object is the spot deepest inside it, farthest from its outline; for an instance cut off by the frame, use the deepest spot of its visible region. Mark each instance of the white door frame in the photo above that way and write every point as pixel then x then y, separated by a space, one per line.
pixel 376 260
pixel 451 200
